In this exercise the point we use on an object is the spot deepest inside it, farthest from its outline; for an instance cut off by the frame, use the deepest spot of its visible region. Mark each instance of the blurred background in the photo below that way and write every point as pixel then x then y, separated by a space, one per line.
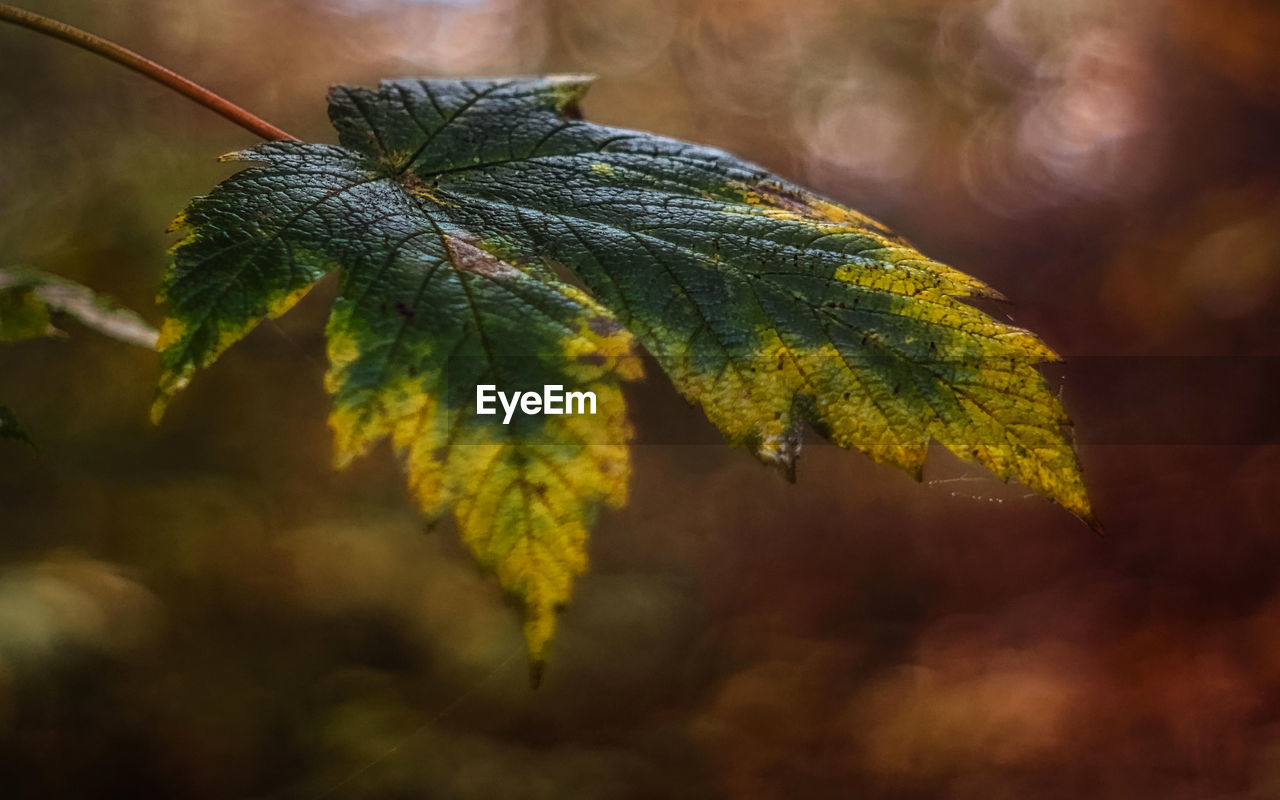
pixel 206 610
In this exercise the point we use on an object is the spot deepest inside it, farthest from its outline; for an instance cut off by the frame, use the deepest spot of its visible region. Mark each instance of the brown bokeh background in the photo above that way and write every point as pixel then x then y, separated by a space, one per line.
pixel 205 609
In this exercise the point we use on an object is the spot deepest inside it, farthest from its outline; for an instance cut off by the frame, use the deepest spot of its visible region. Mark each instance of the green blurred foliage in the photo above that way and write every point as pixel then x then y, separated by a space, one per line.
pixel 23 315
pixel 204 609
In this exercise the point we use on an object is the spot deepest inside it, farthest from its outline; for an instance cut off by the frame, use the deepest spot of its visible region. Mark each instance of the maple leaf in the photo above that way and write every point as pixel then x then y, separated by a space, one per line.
pixel 425 314
pixel 449 208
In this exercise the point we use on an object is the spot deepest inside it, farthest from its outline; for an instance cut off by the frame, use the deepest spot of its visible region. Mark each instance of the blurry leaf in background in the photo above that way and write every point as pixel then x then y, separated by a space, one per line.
pixel 23 314
pixel 28 300
pixel 28 296
pixel 64 605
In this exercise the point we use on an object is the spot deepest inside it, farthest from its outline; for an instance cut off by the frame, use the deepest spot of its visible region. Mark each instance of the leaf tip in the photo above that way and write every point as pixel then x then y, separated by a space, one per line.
pixel 1074 498
pixel 1082 510
pixel 781 451
pixel 158 406
pixel 572 77
pixel 989 292
pixel 567 92
pixel 539 629
pixel 171 383
pixel 1094 524
pixel 915 469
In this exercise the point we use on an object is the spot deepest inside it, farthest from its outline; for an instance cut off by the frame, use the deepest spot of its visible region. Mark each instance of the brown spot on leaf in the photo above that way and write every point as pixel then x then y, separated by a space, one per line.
pixel 787 201
pixel 412 183
pixel 467 257
pixel 814 208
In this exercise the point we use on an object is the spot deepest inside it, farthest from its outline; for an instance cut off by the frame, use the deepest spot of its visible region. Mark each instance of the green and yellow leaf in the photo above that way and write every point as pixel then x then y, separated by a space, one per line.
pixel 766 305
pixel 424 315
pixel 523 494
pixel 448 208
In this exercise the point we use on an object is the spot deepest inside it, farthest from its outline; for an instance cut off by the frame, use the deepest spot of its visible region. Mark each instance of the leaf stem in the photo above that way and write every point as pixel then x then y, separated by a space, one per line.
pixel 144 66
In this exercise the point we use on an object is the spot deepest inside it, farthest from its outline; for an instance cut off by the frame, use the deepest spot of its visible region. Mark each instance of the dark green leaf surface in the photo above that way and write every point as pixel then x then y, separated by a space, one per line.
pixel 450 205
